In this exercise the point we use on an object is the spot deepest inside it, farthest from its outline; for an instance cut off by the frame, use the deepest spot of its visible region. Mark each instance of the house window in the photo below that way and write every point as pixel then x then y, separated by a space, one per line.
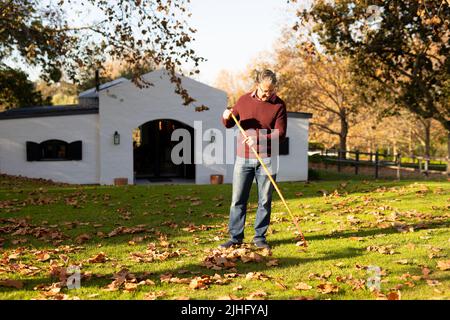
pixel 54 150
pixel 284 147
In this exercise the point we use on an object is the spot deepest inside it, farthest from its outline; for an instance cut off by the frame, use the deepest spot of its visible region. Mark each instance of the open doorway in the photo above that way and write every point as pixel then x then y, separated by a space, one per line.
pixel 152 147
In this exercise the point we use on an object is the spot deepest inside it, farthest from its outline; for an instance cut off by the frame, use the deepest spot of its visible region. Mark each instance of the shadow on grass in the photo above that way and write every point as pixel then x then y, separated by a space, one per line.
pixel 362 233
pixel 194 269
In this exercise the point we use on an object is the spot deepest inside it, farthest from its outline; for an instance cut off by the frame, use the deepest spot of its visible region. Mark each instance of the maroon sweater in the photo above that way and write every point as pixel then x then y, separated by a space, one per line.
pixel 255 114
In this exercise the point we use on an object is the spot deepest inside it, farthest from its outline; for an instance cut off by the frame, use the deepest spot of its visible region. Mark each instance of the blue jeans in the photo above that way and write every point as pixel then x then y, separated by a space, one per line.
pixel 245 170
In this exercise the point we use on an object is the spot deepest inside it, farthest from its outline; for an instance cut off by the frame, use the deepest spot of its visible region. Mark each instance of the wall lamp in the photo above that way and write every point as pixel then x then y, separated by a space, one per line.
pixel 116 138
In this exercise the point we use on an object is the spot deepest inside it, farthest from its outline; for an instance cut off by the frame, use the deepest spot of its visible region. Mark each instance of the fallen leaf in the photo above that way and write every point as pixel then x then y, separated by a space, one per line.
pixel 129 286
pixel 154 295
pixel 272 263
pixel 425 272
pixel 229 297
pixel 443 265
pixel 280 285
pixel 433 283
pixel 42 257
pixel 99 258
pixel 257 294
pixel 394 295
pixel 327 287
pixel 12 283
pixel 302 286
pixel 82 238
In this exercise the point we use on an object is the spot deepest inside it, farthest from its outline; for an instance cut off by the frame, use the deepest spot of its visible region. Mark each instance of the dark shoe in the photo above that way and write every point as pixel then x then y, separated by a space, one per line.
pixel 229 243
pixel 262 245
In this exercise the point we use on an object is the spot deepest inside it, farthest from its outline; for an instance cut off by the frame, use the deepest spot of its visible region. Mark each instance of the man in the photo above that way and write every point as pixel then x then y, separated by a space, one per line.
pixel 262 114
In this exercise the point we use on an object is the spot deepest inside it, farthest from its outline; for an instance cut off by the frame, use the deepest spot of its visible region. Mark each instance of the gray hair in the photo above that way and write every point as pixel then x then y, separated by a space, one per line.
pixel 265 75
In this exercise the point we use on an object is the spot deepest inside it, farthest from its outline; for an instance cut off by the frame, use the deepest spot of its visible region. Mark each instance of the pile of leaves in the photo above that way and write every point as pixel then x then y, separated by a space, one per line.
pixel 152 253
pixel 21 227
pixel 219 259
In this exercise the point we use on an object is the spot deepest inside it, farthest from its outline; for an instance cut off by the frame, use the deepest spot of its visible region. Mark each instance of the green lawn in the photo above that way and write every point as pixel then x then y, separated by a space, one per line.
pixel 136 242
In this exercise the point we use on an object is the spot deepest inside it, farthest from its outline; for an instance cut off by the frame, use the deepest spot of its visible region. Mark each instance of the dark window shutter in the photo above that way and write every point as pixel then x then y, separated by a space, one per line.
pixel 74 151
pixel 33 151
pixel 284 147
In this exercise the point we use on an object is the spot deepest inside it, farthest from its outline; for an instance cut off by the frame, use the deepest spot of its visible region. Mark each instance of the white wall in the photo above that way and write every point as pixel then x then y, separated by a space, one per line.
pixel 15 132
pixel 294 166
pixel 125 107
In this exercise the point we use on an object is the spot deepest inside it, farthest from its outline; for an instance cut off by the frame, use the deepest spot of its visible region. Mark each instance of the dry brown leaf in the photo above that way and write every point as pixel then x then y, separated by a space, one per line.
pixel 42 257
pixel 433 283
pixel 82 238
pixel 381 249
pixel 200 283
pixel 425 272
pixel 280 285
pixel 302 286
pixel 12 283
pixel 229 297
pixel 257 276
pixel 99 258
pixel 154 295
pixel 394 295
pixel 443 265
pixel 129 286
pixel 327 287
pixel 258 294
pixel 304 298
pixel 272 263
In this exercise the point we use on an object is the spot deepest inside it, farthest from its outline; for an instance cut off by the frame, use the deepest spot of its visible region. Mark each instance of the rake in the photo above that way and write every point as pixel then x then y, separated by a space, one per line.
pixel 272 181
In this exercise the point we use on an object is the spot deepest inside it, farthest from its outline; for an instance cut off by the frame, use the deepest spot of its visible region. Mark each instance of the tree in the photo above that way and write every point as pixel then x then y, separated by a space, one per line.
pixel 138 32
pixel 320 84
pixel 401 44
pixel 236 84
pixel 18 91
pixel 60 93
pixel 232 84
pixel 112 70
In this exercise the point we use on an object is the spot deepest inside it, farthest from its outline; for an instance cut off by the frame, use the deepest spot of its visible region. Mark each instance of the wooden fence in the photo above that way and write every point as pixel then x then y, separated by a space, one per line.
pixel 378 160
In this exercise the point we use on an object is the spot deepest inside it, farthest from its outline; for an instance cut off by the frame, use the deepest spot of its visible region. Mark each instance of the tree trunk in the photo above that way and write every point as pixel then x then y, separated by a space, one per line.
pixel 427 137
pixel 448 154
pixel 344 133
pixel 410 141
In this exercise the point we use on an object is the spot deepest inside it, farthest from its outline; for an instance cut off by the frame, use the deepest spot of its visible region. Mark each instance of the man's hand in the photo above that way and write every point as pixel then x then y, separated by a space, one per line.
pixel 249 140
pixel 227 114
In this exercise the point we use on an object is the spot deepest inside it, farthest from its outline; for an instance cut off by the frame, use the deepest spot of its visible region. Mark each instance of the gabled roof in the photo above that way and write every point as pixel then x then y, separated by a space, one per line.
pixel 186 80
pixel 93 93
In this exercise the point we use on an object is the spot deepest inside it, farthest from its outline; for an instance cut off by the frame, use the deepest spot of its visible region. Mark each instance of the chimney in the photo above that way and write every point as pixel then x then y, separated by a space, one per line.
pixel 97 81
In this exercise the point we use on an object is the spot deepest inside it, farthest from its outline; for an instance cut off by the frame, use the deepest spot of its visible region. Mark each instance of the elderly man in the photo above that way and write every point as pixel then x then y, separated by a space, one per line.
pixel 262 114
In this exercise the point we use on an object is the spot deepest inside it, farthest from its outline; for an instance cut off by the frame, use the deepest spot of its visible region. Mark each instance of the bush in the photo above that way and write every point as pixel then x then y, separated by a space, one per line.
pixel 316 146
pixel 313 175
pixel 315 158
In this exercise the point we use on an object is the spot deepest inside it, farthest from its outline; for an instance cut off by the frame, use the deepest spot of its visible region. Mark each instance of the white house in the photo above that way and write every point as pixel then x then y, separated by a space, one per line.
pixel 122 131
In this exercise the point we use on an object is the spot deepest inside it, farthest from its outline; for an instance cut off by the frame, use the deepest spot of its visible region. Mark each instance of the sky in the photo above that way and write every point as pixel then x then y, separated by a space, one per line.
pixel 230 33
